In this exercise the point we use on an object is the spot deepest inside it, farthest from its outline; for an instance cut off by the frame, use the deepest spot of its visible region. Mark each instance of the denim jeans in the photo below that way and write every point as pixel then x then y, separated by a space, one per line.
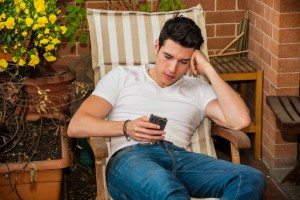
pixel 164 171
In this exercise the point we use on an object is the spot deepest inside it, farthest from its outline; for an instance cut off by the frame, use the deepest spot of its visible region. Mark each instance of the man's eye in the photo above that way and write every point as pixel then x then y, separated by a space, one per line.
pixel 168 57
pixel 184 62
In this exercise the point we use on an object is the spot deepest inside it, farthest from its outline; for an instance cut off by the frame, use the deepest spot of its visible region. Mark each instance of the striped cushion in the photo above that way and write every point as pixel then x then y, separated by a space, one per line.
pixel 127 37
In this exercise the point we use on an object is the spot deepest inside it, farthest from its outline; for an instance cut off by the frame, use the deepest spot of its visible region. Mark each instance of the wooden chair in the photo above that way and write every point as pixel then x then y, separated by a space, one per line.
pixel 127 38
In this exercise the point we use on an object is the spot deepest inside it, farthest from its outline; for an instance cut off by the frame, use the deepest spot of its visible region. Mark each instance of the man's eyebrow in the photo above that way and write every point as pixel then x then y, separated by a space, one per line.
pixel 186 59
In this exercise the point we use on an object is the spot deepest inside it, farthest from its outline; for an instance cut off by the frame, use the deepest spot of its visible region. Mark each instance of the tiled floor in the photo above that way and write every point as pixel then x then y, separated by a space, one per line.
pixel 273 191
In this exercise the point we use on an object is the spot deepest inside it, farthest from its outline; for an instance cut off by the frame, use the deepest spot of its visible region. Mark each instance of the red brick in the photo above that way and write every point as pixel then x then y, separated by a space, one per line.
pixel 288 50
pixel 207 5
pixel 286 151
pixel 288 20
pixel 226 5
pixel 287 5
pixel 210 30
pixel 267 86
pixel 66 60
pixel 266 56
pixel 267 13
pixel 287 80
pixel 289 35
pixel 268 157
pixel 218 43
pixel 268 3
pixel 285 91
pixel 266 27
pixel 286 65
pixel 224 17
pixel 284 162
pixel 242 4
pixel 258 8
pixel 256 34
pixel 225 30
pixel 266 42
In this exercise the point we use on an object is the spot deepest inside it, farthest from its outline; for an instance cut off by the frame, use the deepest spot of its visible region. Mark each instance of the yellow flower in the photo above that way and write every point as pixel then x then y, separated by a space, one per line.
pixel 3 15
pixel 24 33
pixel 42 21
pixel 49 47
pixel 47 31
pixel 14 59
pixel 26 11
pixel 49 57
pixel 22 6
pixel 55 41
pixel 10 23
pixel 2 25
pixel 44 41
pixel 52 18
pixel 28 21
pixel 63 29
pixel 1 1
pixel 39 5
pixel 34 60
pixel 21 62
pixel 3 65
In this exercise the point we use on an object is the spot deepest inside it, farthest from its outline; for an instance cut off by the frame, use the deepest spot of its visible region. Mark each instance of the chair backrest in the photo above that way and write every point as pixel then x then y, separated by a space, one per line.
pixel 127 38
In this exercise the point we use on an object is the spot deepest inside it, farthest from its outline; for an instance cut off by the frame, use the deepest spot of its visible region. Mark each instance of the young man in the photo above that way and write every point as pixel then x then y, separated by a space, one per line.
pixel 149 163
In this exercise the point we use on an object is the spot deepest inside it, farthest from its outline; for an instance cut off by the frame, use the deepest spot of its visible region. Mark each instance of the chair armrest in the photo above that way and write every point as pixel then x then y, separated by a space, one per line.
pixel 99 146
pixel 238 138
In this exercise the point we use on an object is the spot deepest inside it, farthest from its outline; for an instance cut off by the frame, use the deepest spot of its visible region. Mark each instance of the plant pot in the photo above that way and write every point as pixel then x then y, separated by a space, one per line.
pixel 58 95
pixel 47 175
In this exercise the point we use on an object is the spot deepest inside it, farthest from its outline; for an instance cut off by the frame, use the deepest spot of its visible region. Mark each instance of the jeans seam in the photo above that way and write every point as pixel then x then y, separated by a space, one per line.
pixel 239 186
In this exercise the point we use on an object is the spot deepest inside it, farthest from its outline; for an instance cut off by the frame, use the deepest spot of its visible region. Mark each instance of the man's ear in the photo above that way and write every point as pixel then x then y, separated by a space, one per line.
pixel 156 47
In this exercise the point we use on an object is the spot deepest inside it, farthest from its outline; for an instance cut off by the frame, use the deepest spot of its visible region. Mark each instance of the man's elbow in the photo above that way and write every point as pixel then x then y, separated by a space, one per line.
pixel 242 123
pixel 72 129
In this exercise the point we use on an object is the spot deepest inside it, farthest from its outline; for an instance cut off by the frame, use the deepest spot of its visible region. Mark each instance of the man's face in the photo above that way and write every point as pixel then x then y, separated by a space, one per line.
pixel 172 62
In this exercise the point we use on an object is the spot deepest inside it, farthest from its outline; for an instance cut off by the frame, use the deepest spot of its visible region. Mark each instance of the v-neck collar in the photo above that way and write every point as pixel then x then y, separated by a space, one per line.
pixel 149 78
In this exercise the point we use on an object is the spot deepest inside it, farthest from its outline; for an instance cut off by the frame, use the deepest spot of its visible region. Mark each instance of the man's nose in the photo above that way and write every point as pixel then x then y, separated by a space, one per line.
pixel 172 66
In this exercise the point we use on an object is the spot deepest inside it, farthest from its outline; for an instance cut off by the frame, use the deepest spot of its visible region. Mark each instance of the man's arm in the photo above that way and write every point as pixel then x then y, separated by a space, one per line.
pixel 228 110
pixel 89 120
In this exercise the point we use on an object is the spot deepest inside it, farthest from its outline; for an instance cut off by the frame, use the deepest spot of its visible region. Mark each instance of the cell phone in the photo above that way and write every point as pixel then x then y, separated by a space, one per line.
pixel 159 121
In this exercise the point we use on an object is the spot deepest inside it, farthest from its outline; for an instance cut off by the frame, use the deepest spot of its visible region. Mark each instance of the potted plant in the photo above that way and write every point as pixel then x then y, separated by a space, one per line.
pixel 30 32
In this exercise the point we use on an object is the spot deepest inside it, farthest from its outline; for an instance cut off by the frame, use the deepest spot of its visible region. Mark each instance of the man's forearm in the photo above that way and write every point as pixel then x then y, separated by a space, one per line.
pixel 89 125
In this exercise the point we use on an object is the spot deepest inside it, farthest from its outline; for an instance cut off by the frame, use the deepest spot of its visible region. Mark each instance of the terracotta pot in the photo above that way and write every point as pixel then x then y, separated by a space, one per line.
pixel 59 95
pixel 47 185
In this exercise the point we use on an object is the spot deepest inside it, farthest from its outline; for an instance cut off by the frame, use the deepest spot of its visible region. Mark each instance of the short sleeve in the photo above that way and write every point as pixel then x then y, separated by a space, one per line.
pixel 110 85
pixel 208 94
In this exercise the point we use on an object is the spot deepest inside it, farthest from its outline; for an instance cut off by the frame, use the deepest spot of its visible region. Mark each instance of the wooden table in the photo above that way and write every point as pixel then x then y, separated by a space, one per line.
pixel 242 70
pixel 287 111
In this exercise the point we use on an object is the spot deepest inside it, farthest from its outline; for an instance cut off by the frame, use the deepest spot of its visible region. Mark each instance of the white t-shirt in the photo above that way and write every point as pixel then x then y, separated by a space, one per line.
pixel 133 93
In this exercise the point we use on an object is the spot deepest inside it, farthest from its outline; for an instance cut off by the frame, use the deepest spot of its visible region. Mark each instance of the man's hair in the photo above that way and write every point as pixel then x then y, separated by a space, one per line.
pixel 183 31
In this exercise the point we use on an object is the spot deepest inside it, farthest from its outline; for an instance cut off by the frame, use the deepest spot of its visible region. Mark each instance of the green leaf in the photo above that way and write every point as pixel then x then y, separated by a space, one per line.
pixel 83 37
pixel 73 41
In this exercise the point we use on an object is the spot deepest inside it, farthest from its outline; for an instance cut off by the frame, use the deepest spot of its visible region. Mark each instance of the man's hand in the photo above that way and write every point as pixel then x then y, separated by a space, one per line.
pixel 199 63
pixel 142 130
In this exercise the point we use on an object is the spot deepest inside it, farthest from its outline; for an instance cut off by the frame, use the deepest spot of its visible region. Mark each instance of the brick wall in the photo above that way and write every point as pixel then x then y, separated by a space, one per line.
pixel 274 44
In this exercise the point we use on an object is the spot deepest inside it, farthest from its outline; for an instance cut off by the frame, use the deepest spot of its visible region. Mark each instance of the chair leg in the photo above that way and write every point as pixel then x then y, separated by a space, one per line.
pixel 235 154
pixel 100 180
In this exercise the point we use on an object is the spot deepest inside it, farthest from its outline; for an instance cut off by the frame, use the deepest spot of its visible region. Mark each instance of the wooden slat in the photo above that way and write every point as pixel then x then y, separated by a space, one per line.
pixel 278 110
pixel 244 69
pixel 296 103
pixel 290 109
pixel 245 64
pixel 252 64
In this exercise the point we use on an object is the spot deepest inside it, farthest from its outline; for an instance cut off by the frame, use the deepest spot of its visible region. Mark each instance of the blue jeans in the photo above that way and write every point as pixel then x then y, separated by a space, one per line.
pixel 164 171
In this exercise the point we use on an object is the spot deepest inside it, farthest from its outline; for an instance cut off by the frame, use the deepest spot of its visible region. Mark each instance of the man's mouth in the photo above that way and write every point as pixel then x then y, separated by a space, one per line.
pixel 169 76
